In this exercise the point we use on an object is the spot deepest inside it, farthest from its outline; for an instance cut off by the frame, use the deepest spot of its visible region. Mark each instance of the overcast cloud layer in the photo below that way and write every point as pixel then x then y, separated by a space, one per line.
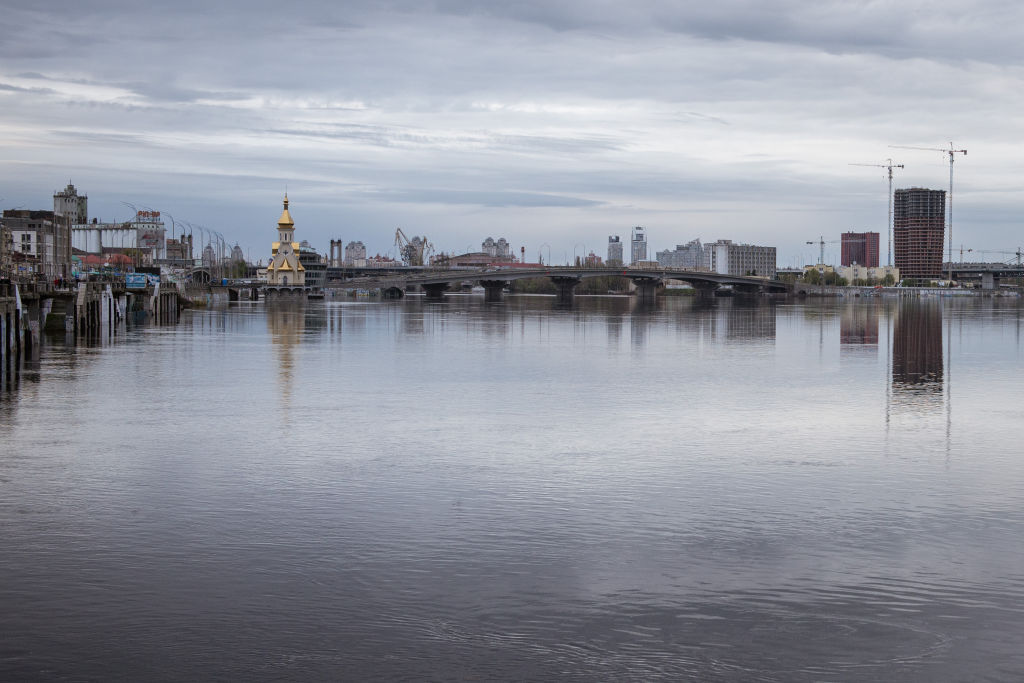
pixel 545 123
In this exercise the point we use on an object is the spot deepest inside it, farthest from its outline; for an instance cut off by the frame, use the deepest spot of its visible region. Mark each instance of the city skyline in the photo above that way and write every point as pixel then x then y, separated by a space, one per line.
pixel 549 125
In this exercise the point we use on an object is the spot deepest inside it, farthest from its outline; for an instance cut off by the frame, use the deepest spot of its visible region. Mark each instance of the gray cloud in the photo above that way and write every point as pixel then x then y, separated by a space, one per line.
pixel 736 118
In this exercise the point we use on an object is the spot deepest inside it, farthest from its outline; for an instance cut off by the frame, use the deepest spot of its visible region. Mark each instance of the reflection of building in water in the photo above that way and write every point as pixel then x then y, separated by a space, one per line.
pixel 286 325
pixel 917 347
pixel 858 324
pixel 732 320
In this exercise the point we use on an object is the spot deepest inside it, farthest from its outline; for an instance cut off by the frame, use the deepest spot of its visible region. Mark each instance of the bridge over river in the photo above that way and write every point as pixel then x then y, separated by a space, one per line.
pixel 565 279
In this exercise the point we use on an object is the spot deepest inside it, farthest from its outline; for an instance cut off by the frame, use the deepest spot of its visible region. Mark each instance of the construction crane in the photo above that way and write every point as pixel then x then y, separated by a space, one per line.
pixel 822 242
pixel 888 199
pixel 413 251
pixel 951 152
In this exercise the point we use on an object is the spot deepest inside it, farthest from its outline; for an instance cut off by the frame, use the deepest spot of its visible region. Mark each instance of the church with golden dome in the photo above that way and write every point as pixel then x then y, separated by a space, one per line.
pixel 285 269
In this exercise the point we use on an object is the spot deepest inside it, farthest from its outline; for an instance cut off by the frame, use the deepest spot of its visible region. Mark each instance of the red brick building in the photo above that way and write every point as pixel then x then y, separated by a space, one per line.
pixel 860 248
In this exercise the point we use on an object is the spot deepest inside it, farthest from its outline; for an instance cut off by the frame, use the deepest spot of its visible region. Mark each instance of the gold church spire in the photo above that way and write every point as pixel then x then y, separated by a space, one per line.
pixel 286 218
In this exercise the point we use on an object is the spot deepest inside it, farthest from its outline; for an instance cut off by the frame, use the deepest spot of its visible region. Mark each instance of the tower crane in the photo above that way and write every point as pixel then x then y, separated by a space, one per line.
pixel 888 199
pixel 821 241
pixel 951 152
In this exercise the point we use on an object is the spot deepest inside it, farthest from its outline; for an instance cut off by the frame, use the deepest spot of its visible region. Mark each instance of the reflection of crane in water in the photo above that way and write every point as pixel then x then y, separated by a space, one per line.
pixel 413 251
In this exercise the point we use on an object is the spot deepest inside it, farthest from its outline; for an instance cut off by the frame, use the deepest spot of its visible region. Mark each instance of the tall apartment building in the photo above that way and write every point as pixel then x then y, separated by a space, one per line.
pixel 860 248
pixel 740 259
pixel 918 229
pixel 496 249
pixel 614 251
pixel 638 251
pixel 354 251
pixel 689 255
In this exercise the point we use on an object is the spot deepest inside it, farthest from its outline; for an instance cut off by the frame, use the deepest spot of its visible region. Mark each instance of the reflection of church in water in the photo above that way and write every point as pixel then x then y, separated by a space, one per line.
pixel 286 325
pixel 917 361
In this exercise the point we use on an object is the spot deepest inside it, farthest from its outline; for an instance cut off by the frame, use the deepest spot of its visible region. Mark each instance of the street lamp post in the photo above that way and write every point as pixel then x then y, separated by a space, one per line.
pixel 574 258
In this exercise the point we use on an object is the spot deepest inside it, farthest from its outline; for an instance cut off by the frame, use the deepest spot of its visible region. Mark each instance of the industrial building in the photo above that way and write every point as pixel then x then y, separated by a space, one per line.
pixel 919 221
pixel 859 248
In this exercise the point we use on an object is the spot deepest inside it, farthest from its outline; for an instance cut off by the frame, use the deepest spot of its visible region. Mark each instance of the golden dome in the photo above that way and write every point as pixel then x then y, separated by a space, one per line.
pixel 286 218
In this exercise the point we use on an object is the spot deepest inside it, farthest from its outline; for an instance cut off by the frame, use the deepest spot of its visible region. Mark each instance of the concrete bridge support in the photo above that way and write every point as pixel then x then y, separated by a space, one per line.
pixel 988 281
pixel 746 290
pixel 435 291
pixel 705 290
pixel 493 289
pixel 646 288
pixel 565 285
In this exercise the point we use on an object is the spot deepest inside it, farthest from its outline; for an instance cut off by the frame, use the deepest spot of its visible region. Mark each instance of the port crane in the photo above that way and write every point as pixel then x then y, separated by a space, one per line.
pixel 888 199
pixel 413 251
pixel 951 152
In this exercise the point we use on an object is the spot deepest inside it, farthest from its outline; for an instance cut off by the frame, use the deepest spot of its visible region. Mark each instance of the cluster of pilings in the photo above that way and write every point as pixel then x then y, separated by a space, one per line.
pixel 10 327
pixel 88 309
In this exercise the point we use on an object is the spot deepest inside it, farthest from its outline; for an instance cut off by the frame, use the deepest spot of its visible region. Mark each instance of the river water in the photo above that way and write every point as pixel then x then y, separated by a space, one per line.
pixel 362 490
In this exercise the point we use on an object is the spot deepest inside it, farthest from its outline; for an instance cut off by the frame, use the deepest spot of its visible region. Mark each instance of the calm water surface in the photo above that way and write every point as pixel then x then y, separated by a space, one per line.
pixel 448 491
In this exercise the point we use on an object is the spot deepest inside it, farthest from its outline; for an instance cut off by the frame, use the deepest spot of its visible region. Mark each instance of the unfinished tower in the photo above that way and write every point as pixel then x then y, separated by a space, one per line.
pixel 919 225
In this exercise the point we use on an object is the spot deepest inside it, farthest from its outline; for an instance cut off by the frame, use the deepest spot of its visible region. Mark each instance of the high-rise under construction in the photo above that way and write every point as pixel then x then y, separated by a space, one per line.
pixel 919 227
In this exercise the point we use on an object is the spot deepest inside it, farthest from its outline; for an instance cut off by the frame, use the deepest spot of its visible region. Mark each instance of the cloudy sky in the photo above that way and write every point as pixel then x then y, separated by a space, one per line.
pixel 548 123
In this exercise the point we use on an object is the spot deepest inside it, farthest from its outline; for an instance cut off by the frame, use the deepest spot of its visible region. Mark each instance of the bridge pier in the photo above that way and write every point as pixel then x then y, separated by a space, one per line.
pixel 435 290
pixel 988 281
pixel 746 290
pixel 705 289
pixel 493 289
pixel 646 288
pixel 565 284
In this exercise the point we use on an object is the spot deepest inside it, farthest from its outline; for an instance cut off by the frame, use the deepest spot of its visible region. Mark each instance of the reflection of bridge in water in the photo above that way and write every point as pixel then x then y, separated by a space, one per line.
pixel 565 279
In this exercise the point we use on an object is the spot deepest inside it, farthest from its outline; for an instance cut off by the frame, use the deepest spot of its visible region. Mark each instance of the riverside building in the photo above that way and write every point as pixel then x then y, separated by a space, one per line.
pixel 689 255
pixel 918 228
pixel 740 259
pixel 284 267
pixel 859 248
